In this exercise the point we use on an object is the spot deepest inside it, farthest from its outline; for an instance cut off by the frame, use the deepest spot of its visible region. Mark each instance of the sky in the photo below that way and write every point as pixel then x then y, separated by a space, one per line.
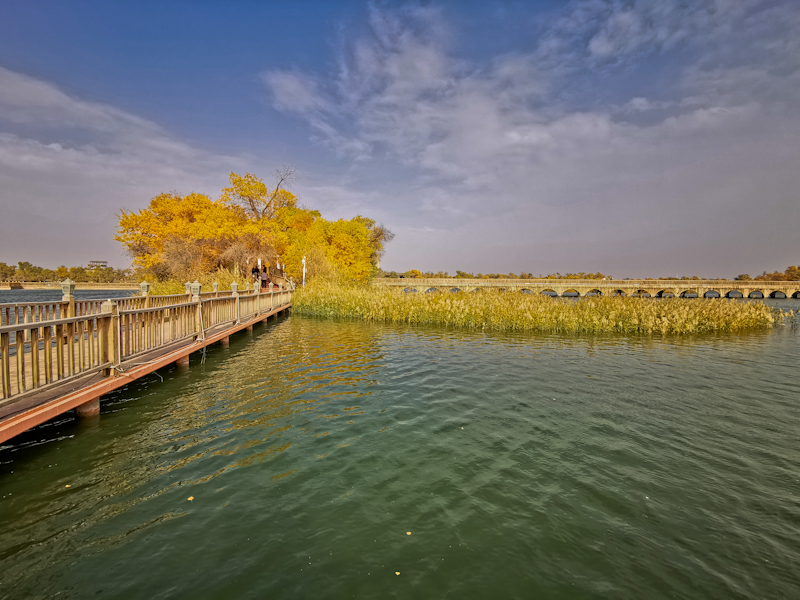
pixel 636 138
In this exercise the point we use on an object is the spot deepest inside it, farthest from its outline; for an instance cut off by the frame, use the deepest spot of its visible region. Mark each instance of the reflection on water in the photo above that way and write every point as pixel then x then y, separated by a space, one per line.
pixel 523 466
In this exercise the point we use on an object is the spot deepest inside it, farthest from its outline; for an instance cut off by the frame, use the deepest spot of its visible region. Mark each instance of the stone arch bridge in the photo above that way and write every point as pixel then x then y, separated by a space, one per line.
pixel 608 287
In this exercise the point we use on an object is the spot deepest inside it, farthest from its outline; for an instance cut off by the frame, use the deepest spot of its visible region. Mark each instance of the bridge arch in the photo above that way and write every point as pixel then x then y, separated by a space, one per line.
pixel 454 290
pixel 665 293
pixel 796 294
pixel 410 290
pixel 778 295
pixel 549 292
pixel 618 293
pixel 734 294
pixel 572 293
pixel 760 294
pixel 641 294
pixel 431 290
pixel 594 292
pixel 525 291
pixel 689 293
pixel 714 294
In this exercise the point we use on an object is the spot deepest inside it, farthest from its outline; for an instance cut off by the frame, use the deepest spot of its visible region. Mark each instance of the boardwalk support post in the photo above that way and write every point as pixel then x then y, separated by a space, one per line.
pixel 89 409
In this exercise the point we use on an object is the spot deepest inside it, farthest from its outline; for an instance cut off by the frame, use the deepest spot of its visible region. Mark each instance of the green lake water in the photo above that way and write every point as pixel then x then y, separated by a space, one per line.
pixel 524 466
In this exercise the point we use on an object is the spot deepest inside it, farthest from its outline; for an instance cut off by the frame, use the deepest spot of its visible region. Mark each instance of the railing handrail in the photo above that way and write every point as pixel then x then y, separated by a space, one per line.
pixel 204 300
pixel 137 311
pixel 51 302
pixel 598 282
pixel 25 304
pixel 50 323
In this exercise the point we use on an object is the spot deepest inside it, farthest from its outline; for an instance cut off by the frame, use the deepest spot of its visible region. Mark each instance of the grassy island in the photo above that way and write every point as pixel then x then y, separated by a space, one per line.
pixel 514 311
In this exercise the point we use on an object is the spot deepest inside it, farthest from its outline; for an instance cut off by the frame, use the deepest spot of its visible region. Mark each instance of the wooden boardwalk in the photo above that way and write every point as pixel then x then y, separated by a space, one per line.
pixel 58 357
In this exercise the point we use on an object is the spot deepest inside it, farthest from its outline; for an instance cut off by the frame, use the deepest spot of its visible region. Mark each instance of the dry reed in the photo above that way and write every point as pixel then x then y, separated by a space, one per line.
pixel 515 311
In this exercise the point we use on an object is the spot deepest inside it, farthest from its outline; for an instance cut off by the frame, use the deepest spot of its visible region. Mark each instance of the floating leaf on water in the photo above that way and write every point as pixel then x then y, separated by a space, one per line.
pixel 66 485
pixel 397 572
pixel 408 533
pixel 190 498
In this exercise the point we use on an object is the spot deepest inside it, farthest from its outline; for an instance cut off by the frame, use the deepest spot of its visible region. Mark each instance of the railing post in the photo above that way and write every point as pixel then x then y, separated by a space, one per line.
pixel 271 302
pixel 188 286
pixel 145 287
pixel 108 341
pixel 215 288
pixel 68 291
pixel 194 290
pixel 235 294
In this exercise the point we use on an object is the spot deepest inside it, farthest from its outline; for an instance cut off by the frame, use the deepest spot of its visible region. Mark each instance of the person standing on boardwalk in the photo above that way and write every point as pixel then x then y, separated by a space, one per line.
pixel 264 277
pixel 254 272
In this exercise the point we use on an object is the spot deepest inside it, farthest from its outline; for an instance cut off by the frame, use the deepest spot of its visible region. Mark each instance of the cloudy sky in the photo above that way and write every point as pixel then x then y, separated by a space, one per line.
pixel 638 138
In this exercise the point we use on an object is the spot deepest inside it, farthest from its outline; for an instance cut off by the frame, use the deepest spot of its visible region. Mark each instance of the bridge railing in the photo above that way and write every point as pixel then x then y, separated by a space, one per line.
pixel 48 347
pixel 219 311
pixel 19 313
pixel 142 330
pixel 638 287
pixel 156 301
pixel 36 354
pixel 645 283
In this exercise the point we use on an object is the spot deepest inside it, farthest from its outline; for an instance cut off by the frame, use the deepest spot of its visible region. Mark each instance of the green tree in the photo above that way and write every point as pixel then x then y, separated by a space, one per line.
pixel 7 271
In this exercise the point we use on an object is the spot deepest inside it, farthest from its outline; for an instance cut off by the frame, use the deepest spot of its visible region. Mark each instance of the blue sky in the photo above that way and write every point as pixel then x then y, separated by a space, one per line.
pixel 638 138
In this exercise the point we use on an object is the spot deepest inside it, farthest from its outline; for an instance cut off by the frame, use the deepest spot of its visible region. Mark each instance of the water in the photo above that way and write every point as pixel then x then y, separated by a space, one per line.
pixel 523 466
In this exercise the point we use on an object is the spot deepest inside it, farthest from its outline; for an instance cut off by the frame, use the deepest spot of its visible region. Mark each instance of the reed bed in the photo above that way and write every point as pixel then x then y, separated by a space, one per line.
pixel 515 311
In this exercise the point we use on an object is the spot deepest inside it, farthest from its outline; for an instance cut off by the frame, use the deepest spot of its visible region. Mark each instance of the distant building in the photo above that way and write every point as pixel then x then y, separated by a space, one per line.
pixel 98 264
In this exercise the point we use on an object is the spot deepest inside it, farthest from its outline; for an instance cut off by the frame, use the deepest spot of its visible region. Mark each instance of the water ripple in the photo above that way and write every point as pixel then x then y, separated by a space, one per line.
pixel 552 466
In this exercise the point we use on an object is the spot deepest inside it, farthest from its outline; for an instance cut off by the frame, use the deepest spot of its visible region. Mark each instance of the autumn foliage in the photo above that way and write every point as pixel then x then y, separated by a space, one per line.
pixel 185 236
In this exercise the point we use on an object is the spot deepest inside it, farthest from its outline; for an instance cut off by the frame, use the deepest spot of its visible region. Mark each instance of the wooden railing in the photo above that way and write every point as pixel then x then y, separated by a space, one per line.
pixel 33 355
pixel 41 345
pixel 145 329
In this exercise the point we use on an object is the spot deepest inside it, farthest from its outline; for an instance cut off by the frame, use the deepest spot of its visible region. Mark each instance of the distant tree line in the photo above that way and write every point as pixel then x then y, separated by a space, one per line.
pixel 25 271
pixel 414 273
pixel 790 274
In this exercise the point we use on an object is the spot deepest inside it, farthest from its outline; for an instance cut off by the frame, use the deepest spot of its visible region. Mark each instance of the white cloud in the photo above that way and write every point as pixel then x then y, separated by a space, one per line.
pixel 498 151
pixel 67 166
pixel 294 92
